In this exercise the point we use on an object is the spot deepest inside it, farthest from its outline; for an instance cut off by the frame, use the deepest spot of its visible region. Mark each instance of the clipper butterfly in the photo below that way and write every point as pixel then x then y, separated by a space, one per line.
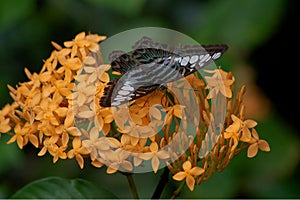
pixel 151 65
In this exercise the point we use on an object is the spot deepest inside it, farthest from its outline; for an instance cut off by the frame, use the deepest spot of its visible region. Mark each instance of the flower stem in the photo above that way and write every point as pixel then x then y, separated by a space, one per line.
pixel 162 183
pixel 176 192
pixel 132 185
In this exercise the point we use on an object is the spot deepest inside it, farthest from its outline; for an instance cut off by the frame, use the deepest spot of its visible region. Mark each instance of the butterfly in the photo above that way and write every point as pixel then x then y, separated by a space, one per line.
pixel 151 65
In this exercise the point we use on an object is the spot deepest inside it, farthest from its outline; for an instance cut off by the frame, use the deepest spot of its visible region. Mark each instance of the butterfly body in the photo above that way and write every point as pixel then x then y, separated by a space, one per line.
pixel 146 69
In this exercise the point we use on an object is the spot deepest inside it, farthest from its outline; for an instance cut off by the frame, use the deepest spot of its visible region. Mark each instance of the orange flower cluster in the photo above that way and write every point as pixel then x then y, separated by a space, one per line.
pixel 58 111
pixel 42 111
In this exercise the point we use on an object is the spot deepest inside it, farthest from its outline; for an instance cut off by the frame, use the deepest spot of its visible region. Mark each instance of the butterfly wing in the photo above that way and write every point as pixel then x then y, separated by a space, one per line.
pixel 196 57
pixel 127 61
pixel 126 93
pixel 162 66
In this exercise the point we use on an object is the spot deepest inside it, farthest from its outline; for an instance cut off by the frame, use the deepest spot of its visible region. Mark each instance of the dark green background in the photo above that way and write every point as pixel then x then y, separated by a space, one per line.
pixel 262 37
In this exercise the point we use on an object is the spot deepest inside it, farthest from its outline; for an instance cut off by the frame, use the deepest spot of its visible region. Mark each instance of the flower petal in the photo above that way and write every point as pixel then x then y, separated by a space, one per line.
pixel 196 171
pixel 263 145
pixel 136 160
pixel 62 111
pixel 146 156
pixel 76 142
pixel 153 147
pixel 235 118
pixel 155 112
pixel 235 143
pixel 179 176
pixel 250 123
pixel 227 134
pixel 163 154
pixel 255 134
pixel 187 165
pixel 80 36
pixel 190 182
pixel 252 150
pixel 111 170
pixel 97 163
pixel 178 111
pixel 155 164
pixel 246 135
pixel 34 140
pixel 127 165
pixel 79 160
pixel 74 131
pixel 227 92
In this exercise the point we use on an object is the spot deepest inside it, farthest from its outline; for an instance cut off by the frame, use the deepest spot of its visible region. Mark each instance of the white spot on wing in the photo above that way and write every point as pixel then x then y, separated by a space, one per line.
pixel 123 92
pixel 127 87
pixel 194 59
pixel 193 65
pixel 127 83
pixel 185 61
pixel 119 98
pixel 115 103
pixel 177 59
pixel 204 59
pixel 216 55
pixel 208 58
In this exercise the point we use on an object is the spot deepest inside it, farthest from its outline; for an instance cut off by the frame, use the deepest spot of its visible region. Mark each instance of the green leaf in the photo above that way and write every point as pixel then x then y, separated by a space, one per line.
pixel 57 188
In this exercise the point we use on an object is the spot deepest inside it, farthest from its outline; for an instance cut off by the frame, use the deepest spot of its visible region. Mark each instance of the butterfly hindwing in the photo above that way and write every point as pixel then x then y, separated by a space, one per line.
pixel 124 93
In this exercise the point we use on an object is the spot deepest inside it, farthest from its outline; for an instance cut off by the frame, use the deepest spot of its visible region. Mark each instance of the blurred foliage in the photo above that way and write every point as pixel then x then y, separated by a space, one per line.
pixel 27 27
pixel 54 187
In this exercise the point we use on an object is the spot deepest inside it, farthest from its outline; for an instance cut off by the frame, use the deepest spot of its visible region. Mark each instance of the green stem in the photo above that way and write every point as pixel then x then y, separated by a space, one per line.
pixel 176 192
pixel 132 185
pixel 162 183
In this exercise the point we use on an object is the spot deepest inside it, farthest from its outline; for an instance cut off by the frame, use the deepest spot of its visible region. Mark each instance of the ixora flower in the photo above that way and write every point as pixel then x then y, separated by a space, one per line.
pixel 57 111
pixel 188 174
pixel 239 130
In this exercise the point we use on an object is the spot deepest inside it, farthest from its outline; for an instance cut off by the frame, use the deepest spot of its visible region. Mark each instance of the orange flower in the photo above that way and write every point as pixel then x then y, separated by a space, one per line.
pixel 81 41
pixel 239 130
pixel 96 144
pixel 4 121
pixel 18 136
pixel 58 152
pixel 135 149
pixel 245 125
pixel 117 159
pixel 57 57
pixel 58 111
pixel 77 151
pixel 188 174
pixel 220 82
pixel 56 146
pixel 256 144
pixel 155 155
pixel 233 132
pixel 69 67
